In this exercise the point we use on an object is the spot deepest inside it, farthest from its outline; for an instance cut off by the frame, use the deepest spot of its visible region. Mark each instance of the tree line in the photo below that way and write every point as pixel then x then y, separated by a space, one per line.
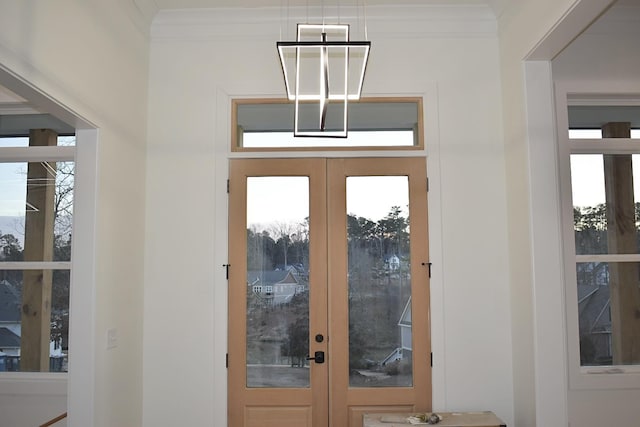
pixel 590 225
pixel 287 244
pixel 377 295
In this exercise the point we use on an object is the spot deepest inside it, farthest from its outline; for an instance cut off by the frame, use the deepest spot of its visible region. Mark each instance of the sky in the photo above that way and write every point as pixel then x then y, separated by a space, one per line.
pixel 355 139
pixel 371 197
pixel 13 187
pixel 587 175
pixel 286 199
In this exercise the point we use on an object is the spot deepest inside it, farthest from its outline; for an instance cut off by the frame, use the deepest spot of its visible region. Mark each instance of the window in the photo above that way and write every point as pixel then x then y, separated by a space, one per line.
pixel 600 174
pixel 607 257
pixel 596 134
pixel 374 123
pixel 36 214
pixel 585 120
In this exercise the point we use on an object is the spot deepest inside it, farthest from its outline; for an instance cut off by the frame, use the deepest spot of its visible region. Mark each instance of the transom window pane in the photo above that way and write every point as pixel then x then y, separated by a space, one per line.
pixel 585 121
pixel 596 133
pixel 23 141
pixel 355 139
pixel 375 123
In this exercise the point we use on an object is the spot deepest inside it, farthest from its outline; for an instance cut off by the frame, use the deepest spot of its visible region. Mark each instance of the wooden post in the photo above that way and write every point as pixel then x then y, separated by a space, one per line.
pixel 38 246
pixel 621 238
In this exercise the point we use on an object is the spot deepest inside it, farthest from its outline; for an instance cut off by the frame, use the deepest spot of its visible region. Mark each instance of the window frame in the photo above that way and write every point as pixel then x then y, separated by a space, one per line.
pixel 78 384
pixel 29 155
pixel 418 131
pixel 587 377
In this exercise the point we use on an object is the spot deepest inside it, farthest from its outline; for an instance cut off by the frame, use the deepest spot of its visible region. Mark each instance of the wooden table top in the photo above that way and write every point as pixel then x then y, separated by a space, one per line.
pixel 449 419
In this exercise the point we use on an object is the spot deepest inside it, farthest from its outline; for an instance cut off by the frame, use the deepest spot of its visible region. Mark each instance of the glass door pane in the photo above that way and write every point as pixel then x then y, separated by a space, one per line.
pixel 379 281
pixel 277 312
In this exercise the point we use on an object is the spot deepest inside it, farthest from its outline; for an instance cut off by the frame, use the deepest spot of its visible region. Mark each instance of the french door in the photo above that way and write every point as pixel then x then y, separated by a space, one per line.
pixel 328 290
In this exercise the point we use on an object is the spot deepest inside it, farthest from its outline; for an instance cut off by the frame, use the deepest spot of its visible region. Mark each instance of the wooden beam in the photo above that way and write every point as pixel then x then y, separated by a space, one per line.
pixel 621 237
pixel 38 246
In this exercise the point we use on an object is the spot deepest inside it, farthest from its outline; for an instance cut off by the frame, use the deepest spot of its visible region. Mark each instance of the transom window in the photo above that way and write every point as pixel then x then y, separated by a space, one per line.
pixel 374 123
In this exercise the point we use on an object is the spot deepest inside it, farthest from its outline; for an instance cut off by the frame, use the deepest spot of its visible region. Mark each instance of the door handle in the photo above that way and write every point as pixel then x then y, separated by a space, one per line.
pixel 318 357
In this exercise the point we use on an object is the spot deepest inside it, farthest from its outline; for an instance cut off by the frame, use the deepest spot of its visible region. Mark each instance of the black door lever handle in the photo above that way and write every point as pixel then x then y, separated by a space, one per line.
pixel 318 357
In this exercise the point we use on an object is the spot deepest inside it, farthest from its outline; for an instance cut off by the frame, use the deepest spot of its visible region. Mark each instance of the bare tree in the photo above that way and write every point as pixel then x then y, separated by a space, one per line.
pixel 282 232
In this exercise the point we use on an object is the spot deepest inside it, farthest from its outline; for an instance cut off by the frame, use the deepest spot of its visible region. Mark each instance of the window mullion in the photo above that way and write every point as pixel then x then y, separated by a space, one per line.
pixel 35 265
pixel 37 154
pixel 604 146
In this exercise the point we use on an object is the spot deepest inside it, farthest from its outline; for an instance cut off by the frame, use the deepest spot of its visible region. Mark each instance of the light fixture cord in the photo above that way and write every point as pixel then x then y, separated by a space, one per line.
pixel 366 33
pixel 281 6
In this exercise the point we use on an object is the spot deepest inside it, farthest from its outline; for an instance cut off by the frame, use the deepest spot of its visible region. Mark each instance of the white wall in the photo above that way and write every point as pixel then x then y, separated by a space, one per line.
pixel 521 26
pixel 91 58
pixel 605 57
pixel 537 31
pixel 199 61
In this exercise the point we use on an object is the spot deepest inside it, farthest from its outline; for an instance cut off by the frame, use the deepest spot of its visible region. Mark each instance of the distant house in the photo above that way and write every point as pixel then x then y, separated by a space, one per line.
pixel 277 286
pixel 11 331
pixel 9 342
pixel 405 329
pixel 393 262
pixel 594 307
pixel 10 319
pixel 405 350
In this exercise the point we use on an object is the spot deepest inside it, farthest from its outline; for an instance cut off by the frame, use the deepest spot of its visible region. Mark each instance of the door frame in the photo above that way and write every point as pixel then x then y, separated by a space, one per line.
pixel 359 400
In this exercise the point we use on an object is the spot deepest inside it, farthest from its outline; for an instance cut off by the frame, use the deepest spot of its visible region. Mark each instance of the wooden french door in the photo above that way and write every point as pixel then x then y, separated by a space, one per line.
pixel 328 290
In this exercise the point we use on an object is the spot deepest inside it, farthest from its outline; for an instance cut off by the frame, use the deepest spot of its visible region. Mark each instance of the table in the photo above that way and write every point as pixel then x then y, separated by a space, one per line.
pixel 449 419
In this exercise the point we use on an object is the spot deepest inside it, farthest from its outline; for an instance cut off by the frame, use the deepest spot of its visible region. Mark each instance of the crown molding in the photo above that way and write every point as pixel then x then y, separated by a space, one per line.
pixel 147 8
pixel 413 21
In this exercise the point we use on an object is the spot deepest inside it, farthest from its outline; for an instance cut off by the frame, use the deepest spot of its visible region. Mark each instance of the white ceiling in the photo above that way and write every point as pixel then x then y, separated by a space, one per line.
pixel 10 103
pixel 496 5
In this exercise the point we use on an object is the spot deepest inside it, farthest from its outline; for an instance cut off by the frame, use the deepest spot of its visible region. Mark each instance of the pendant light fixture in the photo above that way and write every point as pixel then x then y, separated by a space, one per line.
pixel 323 70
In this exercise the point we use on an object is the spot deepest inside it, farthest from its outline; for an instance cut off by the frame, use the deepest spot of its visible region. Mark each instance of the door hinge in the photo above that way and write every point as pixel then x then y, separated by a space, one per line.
pixel 427 184
pixel 228 186
pixel 431 360
pixel 227 361
pixel 428 265
pixel 226 266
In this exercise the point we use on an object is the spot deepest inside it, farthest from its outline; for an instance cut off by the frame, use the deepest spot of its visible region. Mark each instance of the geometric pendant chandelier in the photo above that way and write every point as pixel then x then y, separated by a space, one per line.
pixel 323 70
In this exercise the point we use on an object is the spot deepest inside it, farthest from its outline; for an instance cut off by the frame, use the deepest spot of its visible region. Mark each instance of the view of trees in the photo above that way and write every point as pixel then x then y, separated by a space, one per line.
pixel 379 288
pixel 11 249
pixel 590 227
